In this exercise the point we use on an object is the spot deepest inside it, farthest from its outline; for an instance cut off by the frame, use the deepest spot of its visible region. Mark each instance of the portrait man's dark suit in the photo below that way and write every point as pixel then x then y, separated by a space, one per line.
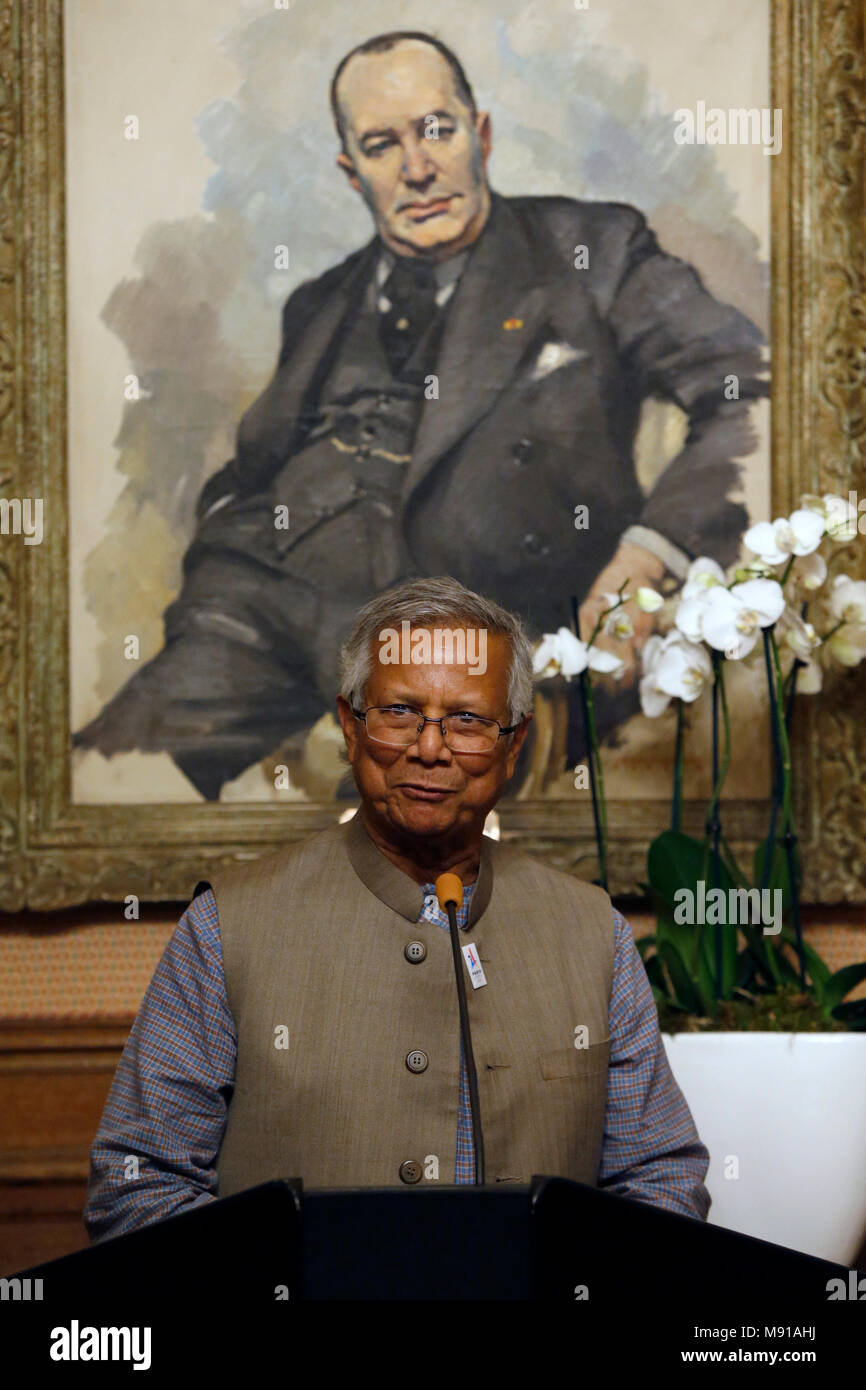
pixel 528 393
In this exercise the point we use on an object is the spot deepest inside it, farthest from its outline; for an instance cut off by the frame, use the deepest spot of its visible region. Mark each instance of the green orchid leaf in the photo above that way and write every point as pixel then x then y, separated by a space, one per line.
pixel 779 877
pixel 675 861
pixel 680 870
pixel 687 941
pixel 853 1014
pixel 662 996
pixel 764 957
pixel 656 975
pixel 687 993
pixel 842 982
pixel 728 957
pixel 746 971
pixel 819 971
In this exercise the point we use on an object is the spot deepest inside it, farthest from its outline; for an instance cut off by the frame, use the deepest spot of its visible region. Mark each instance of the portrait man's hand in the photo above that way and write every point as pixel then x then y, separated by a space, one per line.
pixel 635 566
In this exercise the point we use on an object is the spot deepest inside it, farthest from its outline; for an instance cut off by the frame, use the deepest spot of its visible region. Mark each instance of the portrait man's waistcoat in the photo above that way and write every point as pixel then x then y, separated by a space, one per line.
pixel 327 1008
pixel 357 447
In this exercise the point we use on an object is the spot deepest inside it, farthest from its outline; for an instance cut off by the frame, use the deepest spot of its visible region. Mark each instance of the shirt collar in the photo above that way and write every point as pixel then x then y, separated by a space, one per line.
pixel 396 889
pixel 445 273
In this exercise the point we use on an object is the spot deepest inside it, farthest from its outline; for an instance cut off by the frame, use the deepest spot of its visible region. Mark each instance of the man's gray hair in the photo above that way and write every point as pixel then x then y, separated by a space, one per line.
pixel 430 603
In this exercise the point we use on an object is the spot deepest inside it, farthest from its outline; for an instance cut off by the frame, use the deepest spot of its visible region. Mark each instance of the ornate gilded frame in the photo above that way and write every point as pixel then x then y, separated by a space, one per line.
pixel 54 853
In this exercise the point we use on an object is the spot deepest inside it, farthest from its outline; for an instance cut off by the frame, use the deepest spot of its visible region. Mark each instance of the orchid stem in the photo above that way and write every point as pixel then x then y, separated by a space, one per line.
pixel 600 805
pixel 789 838
pixel 777 766
pixel 676 804
pixel 713 822
pixel 596 780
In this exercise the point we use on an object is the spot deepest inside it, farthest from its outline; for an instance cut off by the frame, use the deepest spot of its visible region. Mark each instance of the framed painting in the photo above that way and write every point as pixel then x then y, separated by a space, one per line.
pixel 644 333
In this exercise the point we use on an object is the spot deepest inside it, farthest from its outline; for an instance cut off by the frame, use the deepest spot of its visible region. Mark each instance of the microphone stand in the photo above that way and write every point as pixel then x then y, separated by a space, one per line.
pixel 466 1038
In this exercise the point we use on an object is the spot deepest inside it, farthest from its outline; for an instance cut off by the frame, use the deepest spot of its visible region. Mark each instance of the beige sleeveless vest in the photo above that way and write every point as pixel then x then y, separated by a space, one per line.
pixel 327 1008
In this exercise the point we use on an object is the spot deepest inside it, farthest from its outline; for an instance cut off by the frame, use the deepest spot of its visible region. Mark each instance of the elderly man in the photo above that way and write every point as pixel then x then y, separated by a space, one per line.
pixel 460 396
pixel 303 1019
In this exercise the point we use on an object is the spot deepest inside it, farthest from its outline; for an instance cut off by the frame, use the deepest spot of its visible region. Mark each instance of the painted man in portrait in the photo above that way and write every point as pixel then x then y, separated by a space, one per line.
pixel 444 400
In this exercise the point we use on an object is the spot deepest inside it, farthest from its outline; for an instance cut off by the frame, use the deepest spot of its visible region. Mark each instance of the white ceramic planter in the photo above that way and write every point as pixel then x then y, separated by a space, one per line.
pixel 791 1109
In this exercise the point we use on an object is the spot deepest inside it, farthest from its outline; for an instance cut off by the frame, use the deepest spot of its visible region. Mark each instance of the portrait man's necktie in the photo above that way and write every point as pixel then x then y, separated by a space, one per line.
pixel 411 290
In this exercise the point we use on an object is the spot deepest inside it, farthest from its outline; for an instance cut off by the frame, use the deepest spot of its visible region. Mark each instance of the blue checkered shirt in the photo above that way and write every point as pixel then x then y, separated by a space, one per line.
pixel 168 1102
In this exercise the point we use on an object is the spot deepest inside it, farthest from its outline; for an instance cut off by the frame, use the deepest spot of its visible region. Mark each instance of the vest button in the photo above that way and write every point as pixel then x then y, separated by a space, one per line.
pixel 410 1171
pixel 417 1060
pixel 401 325
pixel 414 951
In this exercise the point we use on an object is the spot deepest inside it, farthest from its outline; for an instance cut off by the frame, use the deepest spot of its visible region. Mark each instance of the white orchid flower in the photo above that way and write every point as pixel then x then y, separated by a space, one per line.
pixel 561 653
pixel 730 620
pixel 848 599
pixel 705 576
pixel 648 600
pixel 798 635
pixel 674 669
pixel 653 701
pixel 810 678
pixel 652 650
pixel 690 613
pixel 847 645
pixel 840 516
pixel 605 663
pixel 775 542
pixel 810 571
pixel 762 540
pixel 755 569
pixel 619 625
pixel 803 533
pixel 702 574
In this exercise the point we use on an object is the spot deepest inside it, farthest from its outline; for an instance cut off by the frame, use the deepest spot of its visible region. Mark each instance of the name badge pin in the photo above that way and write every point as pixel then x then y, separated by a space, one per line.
pixel 473 965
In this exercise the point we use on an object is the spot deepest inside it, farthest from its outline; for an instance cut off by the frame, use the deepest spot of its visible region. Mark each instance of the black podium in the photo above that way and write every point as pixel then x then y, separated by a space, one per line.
pixel 553 1240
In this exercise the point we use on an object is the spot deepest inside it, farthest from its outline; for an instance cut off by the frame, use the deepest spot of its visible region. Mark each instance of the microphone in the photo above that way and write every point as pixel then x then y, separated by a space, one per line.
pixel 449 891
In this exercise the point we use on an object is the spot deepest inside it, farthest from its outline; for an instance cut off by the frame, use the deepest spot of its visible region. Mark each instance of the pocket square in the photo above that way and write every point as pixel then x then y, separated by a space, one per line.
pixel 553 356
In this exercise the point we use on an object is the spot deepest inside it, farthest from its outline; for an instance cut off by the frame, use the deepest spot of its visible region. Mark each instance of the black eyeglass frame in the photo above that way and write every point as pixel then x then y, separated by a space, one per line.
pixel 426 719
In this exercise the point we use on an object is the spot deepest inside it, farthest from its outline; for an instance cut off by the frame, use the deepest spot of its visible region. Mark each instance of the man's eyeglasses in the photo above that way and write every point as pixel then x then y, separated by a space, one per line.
pixel 398 726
